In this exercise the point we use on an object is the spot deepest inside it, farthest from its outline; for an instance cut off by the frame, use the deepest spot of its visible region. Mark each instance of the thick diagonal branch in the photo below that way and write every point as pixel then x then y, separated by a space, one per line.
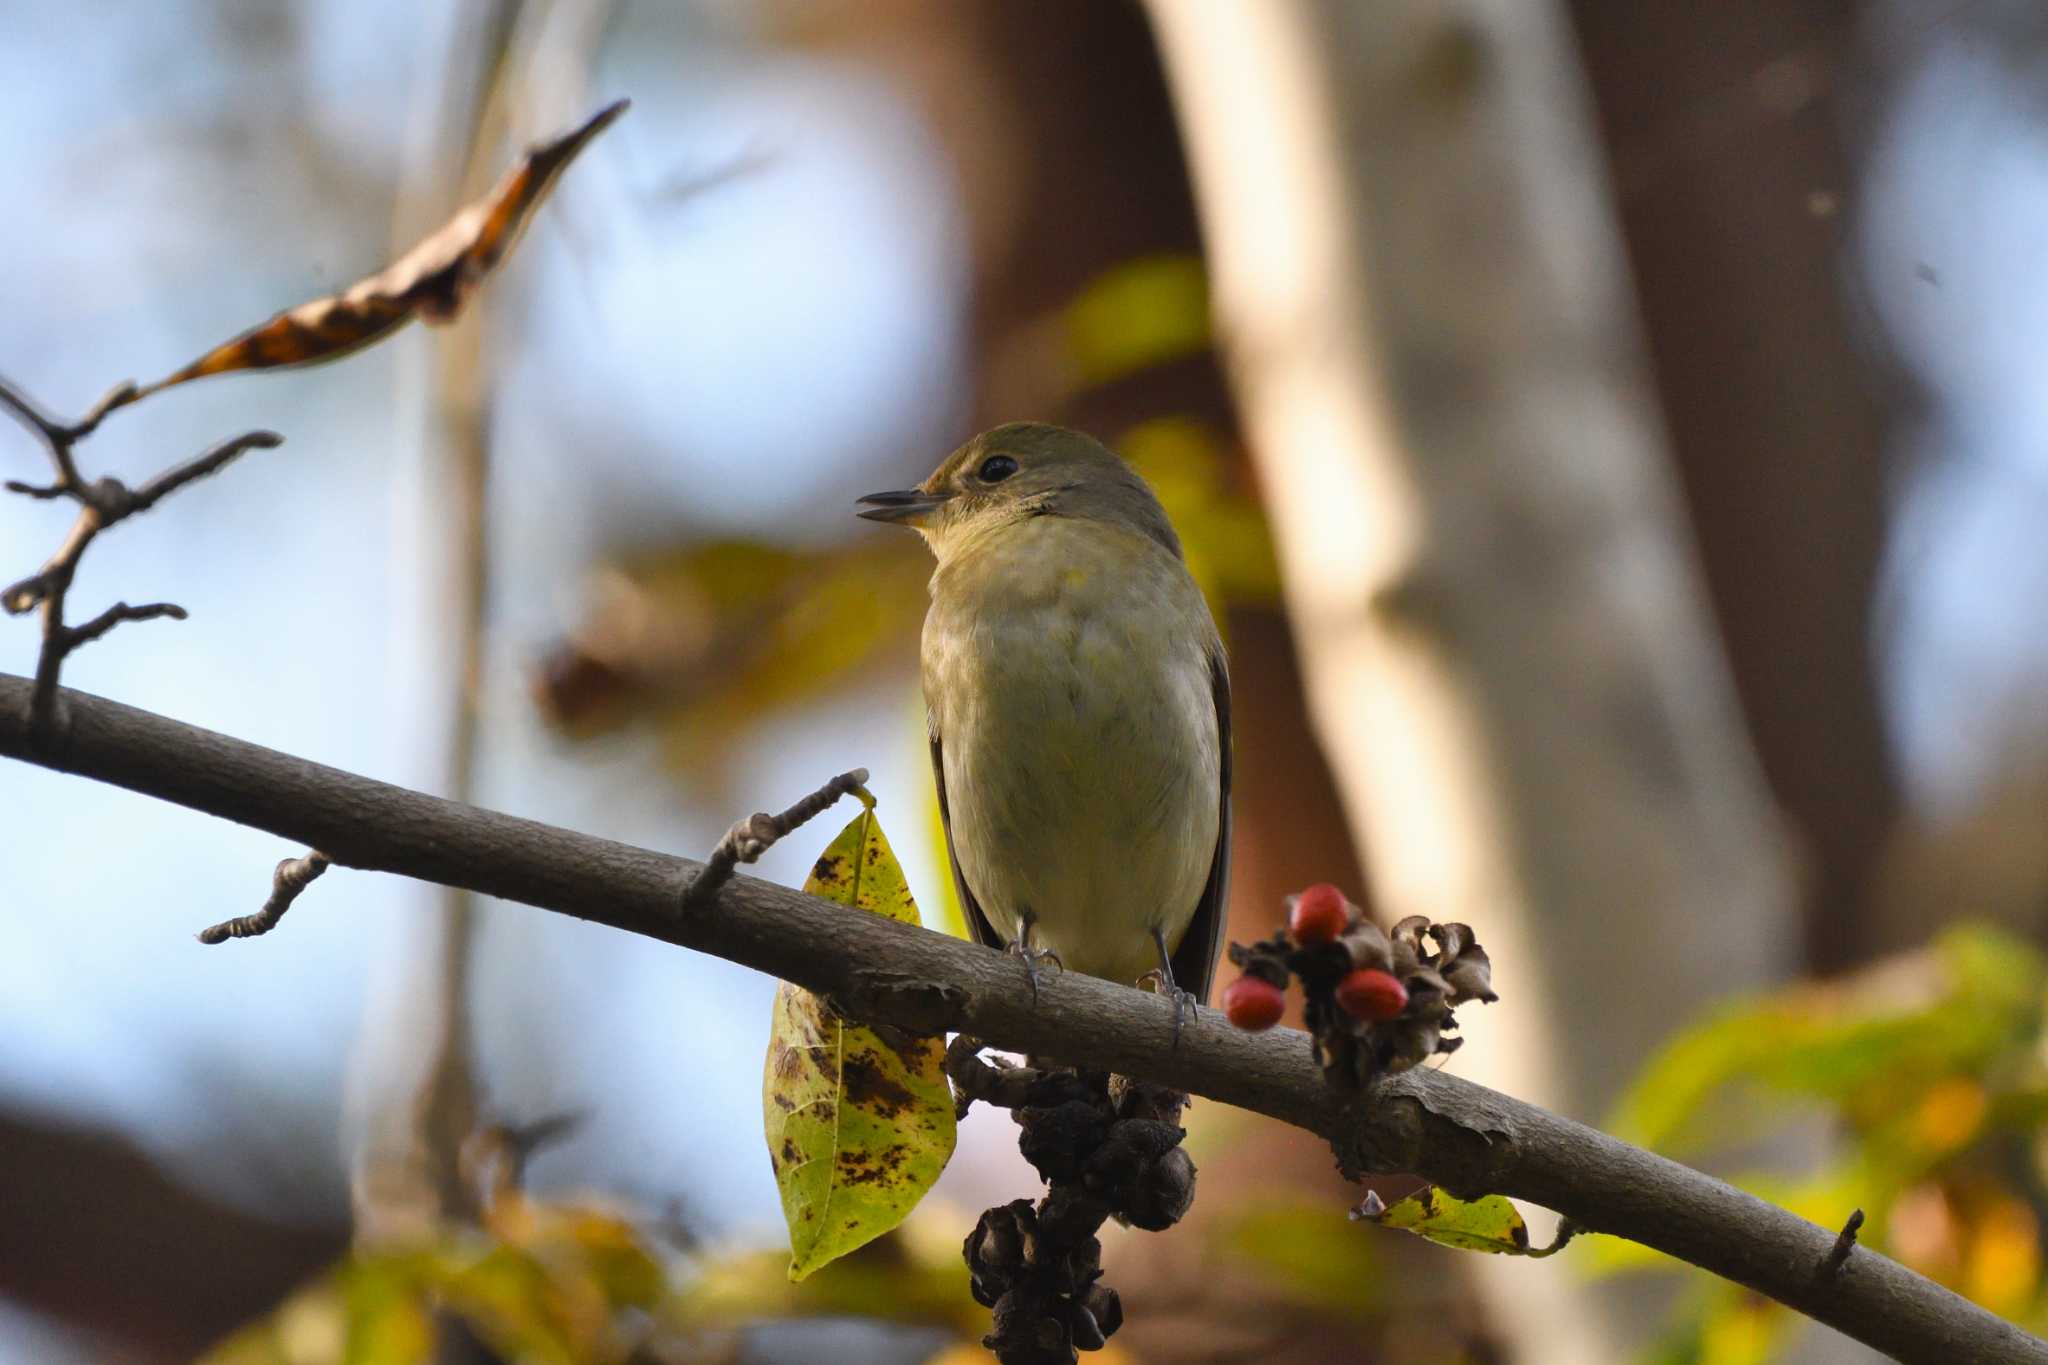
pixel 1462 1136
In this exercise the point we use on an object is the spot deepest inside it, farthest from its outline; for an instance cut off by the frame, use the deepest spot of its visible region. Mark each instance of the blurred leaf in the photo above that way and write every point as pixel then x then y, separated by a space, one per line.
pixel 1138 314
pixel 431 282
pixel 1223 533
pixel 386 1318
pixel 1725 1325
pixel 859 1125
pixel 511 1302
pixel 1923 1062
pixel 2002 1256
pixel 556 1283
pixel 1869 1043
pixel 709 640
pixel 1301 1245
pixel 902 1278
pixel 1489 1223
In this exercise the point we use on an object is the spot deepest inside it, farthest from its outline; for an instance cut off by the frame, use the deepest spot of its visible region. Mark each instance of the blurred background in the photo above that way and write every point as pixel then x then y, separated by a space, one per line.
pixel 1610 434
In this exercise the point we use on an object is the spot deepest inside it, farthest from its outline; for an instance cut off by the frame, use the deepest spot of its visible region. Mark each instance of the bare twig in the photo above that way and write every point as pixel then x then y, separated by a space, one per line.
pixel 119 612
pixel 60 436
pixel 748 839
pixel 1845 1242
pixel 1459 1135
pixel 1566 1230
pixel 101 504
pixel 198 467
pixel 291 877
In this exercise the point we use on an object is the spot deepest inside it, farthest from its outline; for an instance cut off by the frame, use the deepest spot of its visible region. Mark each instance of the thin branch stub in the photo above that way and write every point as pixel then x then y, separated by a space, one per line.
pixel 1838 1254
pixel 748 839
pixel 292 876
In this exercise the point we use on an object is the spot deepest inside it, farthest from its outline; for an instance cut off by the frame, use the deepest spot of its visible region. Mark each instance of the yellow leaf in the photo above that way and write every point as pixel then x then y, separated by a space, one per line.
pixel 1142 313
pixel 1742 1330
pixel 1949 1113
pixel 859 1125
pixel 2002 1261
pixel 1489 1223
pixel 1223 533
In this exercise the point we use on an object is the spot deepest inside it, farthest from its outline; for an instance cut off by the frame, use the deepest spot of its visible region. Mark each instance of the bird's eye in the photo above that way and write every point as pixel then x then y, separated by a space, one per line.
pixel 996 468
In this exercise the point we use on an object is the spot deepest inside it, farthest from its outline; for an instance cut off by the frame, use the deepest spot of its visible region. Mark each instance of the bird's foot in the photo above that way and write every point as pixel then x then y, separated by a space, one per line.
pixel 1032 957
pixel 1160 982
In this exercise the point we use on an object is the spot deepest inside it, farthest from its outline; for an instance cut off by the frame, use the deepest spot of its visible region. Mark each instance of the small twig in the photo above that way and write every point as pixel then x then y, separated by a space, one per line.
pixel 748 839
pixel 198 467
pixel 101 504
pixel 290 878
pixel 1566 1230
pixel 115 615
pixel 1845 1242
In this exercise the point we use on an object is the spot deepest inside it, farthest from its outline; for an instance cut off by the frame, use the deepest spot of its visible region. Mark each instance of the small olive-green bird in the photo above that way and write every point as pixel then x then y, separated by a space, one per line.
pixel 1079 710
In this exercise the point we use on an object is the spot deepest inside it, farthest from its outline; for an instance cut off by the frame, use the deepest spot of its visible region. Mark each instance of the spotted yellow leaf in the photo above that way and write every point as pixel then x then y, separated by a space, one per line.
pixel 859 1124
pixel 1489 1223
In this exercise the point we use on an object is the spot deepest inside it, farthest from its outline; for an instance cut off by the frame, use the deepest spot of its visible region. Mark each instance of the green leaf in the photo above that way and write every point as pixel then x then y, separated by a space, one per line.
pixel 859 1124
pixel 1489 1223
pixel 1870 1043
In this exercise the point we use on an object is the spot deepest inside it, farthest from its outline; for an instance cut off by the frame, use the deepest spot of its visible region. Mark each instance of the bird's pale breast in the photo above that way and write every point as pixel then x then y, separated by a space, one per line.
pixel 1066 668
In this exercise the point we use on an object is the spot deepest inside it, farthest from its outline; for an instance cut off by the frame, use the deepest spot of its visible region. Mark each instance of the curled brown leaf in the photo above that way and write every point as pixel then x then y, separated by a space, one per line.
pixel 431 282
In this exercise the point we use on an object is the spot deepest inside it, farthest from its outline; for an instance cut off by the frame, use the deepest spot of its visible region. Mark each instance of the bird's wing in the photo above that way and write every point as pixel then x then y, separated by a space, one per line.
pixel 1194 962
pixel 977 923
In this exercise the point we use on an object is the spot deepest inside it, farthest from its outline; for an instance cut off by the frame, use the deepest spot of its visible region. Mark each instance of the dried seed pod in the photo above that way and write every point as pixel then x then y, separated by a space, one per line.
pixel 1451 939
pixel 1163 1192
pixel 1367 946
pixel 1471 976
pixel 1112 1148
pixel 1087 1333
pixel 1106 1308
pixel 1436 967
pixel 1410 932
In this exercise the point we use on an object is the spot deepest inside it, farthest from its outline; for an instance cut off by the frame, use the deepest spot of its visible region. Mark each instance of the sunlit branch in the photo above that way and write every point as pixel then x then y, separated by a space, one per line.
pixel 1464 1137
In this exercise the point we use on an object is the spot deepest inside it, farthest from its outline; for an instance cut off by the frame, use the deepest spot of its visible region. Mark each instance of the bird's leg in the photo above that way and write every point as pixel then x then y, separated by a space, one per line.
pixel 1160 978
pixel 1021 947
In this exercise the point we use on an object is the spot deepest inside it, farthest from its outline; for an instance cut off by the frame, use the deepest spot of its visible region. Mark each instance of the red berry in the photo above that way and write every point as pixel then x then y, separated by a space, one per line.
pixel 1319 915
pixel 1252 1003
pixel 1369 993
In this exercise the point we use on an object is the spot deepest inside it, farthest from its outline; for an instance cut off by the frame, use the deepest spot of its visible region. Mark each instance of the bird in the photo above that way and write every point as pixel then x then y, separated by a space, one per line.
pixel 1078 707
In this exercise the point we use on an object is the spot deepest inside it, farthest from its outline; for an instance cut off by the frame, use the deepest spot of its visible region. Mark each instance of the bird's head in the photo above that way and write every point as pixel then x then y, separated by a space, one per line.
pixel 1014 473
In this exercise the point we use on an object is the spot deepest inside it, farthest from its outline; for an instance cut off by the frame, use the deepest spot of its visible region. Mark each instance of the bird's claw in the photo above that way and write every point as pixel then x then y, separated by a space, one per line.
pixel 1032 957
pixel 1184 1002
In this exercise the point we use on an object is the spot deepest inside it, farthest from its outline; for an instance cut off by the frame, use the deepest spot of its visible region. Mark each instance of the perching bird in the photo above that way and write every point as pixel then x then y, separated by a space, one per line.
pixel 1079 710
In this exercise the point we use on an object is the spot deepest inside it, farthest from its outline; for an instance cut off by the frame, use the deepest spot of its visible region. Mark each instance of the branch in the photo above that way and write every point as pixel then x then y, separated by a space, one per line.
pixel 101 504
pixel 1462 1136
pixel 292 876
pixel 748 839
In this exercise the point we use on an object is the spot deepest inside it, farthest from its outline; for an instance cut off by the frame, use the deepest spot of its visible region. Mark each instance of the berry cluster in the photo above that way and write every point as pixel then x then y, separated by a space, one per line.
pixel 1377 1002
pixel 1107 1147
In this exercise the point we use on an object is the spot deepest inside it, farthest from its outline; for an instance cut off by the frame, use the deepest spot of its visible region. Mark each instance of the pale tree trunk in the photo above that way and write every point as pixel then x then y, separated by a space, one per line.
pixel 1507 651
pixel 511 72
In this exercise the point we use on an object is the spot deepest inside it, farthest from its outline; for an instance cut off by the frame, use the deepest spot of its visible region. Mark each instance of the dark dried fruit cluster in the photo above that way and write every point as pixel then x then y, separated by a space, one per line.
pixel 1106 1148
pixel 1377 1002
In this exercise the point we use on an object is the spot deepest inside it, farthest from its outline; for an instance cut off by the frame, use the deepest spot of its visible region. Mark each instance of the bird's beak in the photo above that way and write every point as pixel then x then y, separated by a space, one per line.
pixel 910 506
